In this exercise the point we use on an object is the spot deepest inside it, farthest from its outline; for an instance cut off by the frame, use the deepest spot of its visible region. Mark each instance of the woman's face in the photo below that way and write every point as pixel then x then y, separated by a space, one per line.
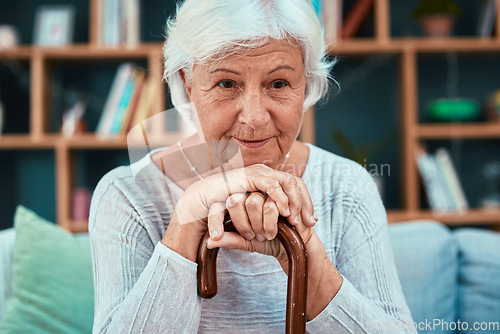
pixel 253 99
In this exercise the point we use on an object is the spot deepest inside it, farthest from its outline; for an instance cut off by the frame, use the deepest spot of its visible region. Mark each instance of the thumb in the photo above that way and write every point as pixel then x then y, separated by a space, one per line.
pixel 230 240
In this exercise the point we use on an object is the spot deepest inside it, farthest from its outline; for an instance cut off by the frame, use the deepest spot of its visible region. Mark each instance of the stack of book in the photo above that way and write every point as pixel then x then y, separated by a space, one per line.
pixel 119 22
pixel 129 101
pixel 441 183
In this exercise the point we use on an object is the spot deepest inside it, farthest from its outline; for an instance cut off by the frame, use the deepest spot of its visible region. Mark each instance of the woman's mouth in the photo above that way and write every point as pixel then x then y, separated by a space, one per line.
pixel 253 143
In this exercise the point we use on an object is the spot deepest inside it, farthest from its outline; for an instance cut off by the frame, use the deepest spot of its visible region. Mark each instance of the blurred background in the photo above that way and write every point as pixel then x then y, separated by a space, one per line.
pixel 415 99
pixel 419 109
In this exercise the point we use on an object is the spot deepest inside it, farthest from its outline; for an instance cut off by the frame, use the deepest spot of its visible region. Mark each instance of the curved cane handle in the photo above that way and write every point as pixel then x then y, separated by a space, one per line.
pixel 297 273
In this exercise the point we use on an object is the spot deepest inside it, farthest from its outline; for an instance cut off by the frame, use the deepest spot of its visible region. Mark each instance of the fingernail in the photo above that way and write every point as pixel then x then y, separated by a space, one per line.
pixel 248 236
pixel 287 211
pixel 260 237
pixel 315 217
pixel 297 219
pixel 269 236
pixel 213 234
pixel 313 220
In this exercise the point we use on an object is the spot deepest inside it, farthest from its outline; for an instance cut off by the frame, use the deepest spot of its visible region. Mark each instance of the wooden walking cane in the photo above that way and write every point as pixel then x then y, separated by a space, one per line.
pixel 297 272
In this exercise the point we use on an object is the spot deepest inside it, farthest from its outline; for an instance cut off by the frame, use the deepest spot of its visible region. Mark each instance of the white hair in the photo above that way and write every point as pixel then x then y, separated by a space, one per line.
pixel 207 30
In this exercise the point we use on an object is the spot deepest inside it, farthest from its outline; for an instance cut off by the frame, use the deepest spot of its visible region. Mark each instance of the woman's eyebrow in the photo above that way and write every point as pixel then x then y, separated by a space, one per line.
pixel 282 67
pixel 224 70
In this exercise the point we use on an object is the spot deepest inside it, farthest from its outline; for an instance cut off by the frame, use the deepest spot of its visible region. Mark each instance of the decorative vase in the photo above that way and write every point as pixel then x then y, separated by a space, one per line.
pixel 437 25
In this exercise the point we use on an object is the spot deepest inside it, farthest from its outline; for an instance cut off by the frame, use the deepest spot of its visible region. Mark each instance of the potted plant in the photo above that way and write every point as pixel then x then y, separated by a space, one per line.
pixel 437 17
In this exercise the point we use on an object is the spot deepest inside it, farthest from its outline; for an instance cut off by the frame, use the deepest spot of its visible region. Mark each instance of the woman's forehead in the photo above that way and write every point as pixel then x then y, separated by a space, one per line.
pixel 278 51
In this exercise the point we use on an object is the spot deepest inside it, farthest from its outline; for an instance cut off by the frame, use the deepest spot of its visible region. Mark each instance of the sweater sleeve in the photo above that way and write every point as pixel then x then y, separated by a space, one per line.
pixel 141 286
pixel 370 299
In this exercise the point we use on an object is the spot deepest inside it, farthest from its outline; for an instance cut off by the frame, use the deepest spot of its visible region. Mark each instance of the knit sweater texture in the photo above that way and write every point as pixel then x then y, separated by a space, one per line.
pixel 142 286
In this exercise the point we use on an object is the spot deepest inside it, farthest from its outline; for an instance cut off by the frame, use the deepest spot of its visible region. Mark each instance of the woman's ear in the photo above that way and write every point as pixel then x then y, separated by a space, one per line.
pixel 186 83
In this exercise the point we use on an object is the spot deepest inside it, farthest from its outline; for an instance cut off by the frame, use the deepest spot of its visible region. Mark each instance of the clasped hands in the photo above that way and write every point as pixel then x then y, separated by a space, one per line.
pixel 254 196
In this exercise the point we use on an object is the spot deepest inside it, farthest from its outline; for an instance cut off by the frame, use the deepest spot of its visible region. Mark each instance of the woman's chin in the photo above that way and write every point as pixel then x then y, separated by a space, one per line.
pixel 251 158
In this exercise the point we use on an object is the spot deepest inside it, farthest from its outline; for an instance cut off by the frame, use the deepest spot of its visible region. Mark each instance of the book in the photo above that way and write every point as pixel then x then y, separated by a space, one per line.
pixel 453 185
pixel 113 100
pixel 355 17
pixel 492 107
pixel 132 29
pixel 123 105
pixel 132 107
pixel 332 19
pixel 487 19
pixel 111 19
pixel 120 22
pixel 432 182
pixel 145 103
pixel 72 119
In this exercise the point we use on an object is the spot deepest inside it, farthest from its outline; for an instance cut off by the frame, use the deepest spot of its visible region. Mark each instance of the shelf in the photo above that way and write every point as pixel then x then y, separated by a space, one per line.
pixel 459 130
pixel 86 141
pixel 21 52
pixel 470 217
pixel 431 45
pixel 419 45
pixel 353 47
pixel 15 142
pixel 83 51
pixel 363 46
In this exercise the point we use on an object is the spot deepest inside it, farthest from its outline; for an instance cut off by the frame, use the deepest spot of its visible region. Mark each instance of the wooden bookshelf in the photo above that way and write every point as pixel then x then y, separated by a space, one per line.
pixel 406 50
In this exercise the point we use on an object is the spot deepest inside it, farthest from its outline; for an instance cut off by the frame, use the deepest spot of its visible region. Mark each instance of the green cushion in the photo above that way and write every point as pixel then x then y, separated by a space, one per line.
pixel 52 285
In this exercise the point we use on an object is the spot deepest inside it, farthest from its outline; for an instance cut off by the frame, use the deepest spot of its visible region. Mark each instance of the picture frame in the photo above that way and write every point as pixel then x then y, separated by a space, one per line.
pixel 54 25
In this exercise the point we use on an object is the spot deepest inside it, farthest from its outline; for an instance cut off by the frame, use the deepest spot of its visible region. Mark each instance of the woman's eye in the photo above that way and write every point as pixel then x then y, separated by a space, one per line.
pixel 279 84
pixel 226 84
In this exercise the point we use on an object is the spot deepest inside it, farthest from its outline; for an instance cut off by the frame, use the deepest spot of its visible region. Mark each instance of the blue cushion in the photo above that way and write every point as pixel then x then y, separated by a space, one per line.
pixel 426 253
pixel 479 279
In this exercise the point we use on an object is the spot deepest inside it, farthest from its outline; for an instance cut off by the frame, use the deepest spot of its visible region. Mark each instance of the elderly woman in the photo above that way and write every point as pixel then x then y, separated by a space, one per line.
pixel 243 71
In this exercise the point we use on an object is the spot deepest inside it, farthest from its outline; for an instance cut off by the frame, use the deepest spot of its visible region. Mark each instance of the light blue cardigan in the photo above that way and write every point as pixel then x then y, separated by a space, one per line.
pixel 142 286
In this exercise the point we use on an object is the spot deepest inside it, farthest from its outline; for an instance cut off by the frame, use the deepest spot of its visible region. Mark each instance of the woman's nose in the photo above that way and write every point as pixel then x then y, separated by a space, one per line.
pixel 253 109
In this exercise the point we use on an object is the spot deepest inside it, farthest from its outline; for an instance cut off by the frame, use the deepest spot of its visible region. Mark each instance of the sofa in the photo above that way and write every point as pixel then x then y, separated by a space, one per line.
pixel 450 278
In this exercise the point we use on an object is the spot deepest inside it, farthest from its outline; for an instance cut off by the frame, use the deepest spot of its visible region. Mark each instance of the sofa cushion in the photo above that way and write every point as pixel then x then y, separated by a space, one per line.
pixel 52 285
pixel 479 280
pixel 6 256
pixel 425 254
